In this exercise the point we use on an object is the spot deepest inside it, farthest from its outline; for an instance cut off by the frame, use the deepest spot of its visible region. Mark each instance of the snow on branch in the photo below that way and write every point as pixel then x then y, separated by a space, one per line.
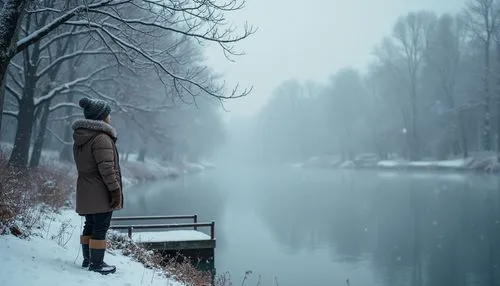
pixel 212 34
pixel 70 56
pixel 178 81
pixel 62 105
pixel 18 67
pixel 67 117
pixel 51 94
pixel 124 107
pixel 45 30
pixel 58 37
pixel 43 10
pixel 14 79
pixel 203 20
pixel 13 114
pixel 13 92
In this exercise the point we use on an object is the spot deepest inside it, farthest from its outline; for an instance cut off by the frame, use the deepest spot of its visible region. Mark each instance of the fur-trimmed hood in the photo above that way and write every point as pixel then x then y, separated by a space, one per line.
pixel 86 129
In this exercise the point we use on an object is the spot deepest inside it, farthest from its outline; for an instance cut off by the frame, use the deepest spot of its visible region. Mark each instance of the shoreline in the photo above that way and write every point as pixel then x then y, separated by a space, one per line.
pixel 485 165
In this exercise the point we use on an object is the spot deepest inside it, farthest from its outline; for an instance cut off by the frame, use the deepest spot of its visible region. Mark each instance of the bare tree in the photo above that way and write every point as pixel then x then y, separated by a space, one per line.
pixel 482 17
pixel 444 56
pixel 412 34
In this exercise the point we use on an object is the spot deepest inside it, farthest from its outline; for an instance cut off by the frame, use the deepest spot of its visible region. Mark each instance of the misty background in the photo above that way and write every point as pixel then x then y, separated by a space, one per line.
pixel 415 83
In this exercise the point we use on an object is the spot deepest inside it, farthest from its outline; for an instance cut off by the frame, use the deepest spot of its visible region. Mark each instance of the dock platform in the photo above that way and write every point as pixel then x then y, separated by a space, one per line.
pixel 170 239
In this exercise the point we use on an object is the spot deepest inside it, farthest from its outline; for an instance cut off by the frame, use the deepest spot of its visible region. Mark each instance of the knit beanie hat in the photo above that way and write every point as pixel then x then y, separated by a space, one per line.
pixel 94 109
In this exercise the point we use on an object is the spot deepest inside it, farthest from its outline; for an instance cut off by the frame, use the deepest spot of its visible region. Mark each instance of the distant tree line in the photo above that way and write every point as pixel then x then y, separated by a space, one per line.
pixel 432 90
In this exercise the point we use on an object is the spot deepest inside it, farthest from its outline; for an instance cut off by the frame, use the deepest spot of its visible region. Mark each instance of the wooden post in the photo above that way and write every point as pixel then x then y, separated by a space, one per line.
pixel 195 220
pixel 212 230
pixel 130 232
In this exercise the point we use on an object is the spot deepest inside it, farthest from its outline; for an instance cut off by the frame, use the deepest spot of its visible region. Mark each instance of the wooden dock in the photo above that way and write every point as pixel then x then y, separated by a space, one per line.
pixel 170 239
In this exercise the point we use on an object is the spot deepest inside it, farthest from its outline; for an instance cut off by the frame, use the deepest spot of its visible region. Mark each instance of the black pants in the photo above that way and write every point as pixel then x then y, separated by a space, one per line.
pixel 96 225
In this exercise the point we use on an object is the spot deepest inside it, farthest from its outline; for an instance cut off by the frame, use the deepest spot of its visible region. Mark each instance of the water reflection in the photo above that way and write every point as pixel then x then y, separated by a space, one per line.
pixel 412 230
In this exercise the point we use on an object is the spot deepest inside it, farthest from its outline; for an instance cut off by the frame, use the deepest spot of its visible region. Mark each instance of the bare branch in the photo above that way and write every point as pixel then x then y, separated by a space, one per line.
pixel 56 38
pixel 66 118
pixel 14 79
pixel 65 86
pixel 211 35
pixel 62 105
pixel 43 10
pixel 12 114
pixel 18 67
pixel 70 56
pixel 126 46
pixel 40 33
pixel 14 93
pixel 124 107
pixel 58 138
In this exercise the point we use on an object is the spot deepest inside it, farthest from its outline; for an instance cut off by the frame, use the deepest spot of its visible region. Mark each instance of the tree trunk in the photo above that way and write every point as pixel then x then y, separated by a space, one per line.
pixel 415 144
pixel 463 135
pixel 2 100
pixel 12 14
pixel 20 152
pixel 142 155
pixel 486 134
pixel 48 141
pixel 38 146
pixel 10 20
pixel 25 119
pixel 67 151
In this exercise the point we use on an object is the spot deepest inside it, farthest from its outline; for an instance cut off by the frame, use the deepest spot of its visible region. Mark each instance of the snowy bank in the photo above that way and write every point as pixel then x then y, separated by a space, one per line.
pixel 51 256
pixel 151 170
pixel 133 170
pixel 480 161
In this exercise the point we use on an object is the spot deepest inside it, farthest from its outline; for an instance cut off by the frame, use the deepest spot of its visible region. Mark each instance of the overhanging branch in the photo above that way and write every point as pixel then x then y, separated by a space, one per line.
pixel 13 92
pixel 70 56
pixel 40 33
pixel 13 114
pixel 58 138
pixel 65 86
pixel 62 105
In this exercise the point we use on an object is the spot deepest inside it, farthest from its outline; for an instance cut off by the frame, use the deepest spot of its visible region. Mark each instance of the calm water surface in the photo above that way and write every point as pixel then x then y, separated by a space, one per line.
pixel 305 227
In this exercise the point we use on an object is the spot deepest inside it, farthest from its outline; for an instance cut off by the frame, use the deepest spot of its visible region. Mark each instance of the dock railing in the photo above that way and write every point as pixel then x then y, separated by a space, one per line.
pixel 130 227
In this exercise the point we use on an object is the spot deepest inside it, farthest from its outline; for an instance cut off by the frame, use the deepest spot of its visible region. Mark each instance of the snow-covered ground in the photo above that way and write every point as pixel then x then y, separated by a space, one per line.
pixel 456 164
pixel 52 256
pixel 174 235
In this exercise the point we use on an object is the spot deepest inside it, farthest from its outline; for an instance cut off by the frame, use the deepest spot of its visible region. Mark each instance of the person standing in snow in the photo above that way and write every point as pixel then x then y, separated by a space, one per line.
pixel 99 185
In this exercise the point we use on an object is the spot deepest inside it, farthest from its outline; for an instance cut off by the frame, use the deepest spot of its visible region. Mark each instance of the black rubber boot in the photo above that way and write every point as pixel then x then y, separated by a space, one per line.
pixel 97 263
pixel 86 256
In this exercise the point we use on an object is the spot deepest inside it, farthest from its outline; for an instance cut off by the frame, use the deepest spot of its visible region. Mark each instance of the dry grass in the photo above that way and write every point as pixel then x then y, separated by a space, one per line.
pixel 180 268
pixel 183 271
pixel 25 194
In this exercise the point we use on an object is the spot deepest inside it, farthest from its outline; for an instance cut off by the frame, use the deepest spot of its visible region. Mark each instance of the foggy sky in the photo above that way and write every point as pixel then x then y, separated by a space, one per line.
pixel 309 40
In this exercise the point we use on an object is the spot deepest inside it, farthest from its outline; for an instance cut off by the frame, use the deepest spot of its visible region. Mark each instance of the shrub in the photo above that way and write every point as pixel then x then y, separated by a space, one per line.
pixel 25 194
